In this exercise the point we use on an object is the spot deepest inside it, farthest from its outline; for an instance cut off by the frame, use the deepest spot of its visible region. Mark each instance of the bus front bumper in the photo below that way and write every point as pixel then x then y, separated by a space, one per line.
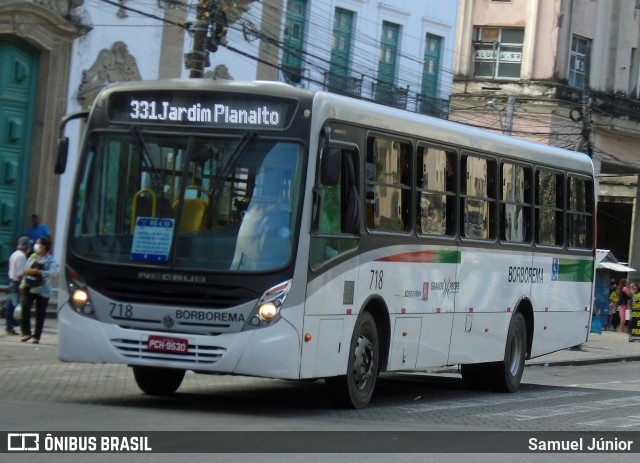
pixel 272 352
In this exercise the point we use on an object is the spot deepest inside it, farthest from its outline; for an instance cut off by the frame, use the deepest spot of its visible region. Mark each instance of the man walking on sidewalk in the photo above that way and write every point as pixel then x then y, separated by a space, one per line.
pixel 16 271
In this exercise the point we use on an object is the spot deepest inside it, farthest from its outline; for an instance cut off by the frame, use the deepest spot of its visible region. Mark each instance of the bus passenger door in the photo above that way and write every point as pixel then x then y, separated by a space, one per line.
pixel 333 262
pixel 336 215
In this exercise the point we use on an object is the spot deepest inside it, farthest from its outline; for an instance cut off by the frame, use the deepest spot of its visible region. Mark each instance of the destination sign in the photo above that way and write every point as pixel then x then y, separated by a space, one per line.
pixel 201 109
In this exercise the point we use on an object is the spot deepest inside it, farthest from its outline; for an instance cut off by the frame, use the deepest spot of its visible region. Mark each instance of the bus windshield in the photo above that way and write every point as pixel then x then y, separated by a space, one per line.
pixel 187 202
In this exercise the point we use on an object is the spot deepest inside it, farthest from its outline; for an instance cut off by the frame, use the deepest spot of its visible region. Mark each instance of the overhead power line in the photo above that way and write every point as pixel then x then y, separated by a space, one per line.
pixel 148 15
pixel 322 64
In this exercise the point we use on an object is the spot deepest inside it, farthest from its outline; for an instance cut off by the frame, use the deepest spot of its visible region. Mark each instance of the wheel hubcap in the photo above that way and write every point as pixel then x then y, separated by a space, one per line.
pixel 363 362
pixel 515 354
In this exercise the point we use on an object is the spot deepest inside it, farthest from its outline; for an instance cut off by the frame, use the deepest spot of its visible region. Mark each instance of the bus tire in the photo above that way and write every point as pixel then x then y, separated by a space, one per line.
pixel 506 375
pixel 158 381
pixel 355 389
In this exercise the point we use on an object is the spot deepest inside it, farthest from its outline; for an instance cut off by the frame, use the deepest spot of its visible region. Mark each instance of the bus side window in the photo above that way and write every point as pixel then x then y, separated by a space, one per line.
pixel 339 218
pixel 515 203
pixel 549 208
pixel 580 217
pixel 388 185
pixel 478 199
pixel 435 182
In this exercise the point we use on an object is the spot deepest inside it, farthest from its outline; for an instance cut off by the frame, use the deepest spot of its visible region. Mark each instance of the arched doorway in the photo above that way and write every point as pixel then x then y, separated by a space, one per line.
pixel 18 84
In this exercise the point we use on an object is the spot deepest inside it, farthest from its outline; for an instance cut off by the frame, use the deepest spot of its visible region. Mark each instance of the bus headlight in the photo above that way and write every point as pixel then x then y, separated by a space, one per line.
pixel 267 309
pixel 79 298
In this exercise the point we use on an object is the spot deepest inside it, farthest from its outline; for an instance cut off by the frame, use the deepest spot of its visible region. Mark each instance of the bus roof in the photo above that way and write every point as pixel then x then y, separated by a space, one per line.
pixel 385 118
pixel 450 133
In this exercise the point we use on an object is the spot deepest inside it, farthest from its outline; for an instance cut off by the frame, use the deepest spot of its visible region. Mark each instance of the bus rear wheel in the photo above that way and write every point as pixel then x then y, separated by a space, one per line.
pixel 501 376
pixel 506 375
pixel 158 381
pixel 355 389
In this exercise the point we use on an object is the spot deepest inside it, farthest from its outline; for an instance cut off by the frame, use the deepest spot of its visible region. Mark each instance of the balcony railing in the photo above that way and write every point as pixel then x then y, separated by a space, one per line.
pixel 431 106
pixel 386 94
pixel 390 95
pixel 343 85
pixel 293 75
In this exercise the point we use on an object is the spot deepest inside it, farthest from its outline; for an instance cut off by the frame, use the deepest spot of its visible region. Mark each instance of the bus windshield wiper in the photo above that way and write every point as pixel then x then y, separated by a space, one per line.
pixel 233 159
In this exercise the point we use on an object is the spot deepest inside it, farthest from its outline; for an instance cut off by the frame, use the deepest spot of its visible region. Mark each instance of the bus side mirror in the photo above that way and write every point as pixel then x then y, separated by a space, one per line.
pixel 63 142
pixel 330 166
pixel 61 160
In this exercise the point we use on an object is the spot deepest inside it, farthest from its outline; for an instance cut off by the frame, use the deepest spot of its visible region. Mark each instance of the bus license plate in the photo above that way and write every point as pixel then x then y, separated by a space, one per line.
pixel 165 344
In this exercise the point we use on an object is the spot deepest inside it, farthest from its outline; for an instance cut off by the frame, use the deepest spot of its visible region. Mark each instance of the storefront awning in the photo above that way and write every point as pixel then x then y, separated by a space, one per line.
pixel 615 267
pixel 606 260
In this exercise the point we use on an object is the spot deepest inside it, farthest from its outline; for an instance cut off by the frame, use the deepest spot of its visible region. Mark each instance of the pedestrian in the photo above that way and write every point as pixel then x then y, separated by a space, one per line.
pixel 36 286
pixel 614 318
pixel 596 326
pixel 624 295
pixel 633 286
pixel 16 270
pixel 37 229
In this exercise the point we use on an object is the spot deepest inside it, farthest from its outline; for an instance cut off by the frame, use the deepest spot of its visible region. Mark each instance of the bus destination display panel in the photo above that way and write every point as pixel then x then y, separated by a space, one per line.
pixel 202 109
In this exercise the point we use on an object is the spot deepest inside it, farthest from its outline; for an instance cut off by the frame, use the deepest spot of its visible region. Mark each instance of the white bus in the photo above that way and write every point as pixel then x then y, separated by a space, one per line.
pixel 259 229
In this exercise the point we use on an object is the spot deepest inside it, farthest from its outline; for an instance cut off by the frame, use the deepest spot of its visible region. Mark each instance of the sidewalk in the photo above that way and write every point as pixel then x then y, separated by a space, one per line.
pixel 610 346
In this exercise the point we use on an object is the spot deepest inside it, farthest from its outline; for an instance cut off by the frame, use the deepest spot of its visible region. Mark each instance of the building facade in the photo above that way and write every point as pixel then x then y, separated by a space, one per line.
pixel 56 55
pixel 565 73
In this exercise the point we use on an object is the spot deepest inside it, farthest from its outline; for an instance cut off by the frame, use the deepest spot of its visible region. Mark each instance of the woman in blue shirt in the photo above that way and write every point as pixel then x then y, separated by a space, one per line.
pixel 36 286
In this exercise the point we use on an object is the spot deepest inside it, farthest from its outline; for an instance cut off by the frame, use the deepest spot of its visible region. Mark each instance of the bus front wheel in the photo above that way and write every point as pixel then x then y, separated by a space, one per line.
pixel 158 381
pixel 354 390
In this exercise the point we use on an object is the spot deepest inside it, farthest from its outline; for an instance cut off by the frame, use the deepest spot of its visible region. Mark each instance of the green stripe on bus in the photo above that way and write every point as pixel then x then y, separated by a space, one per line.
pixel 575 270
pixel 431 257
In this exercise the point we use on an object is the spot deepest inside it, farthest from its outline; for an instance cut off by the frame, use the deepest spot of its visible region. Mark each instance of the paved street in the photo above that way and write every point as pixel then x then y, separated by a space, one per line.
pixel 32 373
pixel 558 394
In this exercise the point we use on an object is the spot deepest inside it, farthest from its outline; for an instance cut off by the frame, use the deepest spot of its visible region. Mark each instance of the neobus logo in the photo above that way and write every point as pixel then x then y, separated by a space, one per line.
pixel 174 277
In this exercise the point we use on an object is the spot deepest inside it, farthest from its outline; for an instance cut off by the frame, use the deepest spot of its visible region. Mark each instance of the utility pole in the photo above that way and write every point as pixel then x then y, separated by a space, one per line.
pixel 198 59
pixel 209 31
pixel 507 127
pixel 586 145
pixel 508 122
